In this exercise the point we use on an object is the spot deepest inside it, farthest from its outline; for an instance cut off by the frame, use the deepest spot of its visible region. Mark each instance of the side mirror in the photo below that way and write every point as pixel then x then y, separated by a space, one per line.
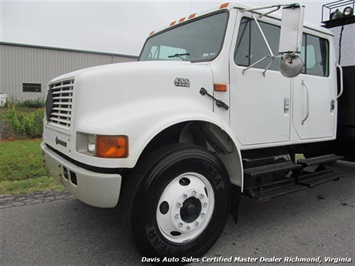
pixel 291 40
pixel 291 65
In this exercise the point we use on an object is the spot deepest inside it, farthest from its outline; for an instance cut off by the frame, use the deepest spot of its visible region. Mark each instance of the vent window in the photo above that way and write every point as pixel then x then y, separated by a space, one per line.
pixel 31 87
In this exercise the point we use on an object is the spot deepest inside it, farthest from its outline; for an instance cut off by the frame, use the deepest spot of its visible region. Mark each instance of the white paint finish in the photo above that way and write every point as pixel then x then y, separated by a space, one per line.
pixel 257 106
pixel 96 189
pixel 312 95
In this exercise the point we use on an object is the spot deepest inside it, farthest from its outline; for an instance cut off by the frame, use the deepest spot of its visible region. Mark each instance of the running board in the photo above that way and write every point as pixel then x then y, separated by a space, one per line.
pixel 266 194
pixel 317 178
pixel 295 177
pixel 271 169
pixel 325 159
pixel 294 185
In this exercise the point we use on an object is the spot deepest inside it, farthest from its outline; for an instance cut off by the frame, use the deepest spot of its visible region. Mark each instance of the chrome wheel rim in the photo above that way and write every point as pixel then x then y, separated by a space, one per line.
pixel 185 207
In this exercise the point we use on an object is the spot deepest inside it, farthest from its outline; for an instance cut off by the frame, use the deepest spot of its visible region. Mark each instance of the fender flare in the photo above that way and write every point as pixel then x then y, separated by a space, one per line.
pixel 219 130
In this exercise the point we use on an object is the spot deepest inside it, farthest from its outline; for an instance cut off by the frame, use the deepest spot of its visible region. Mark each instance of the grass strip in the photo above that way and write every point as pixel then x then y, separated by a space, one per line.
pixel 22 169
pixel 32 185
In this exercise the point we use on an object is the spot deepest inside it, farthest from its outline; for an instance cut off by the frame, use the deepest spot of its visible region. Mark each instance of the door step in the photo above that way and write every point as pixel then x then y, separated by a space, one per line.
pixel 274 180
pixel 294 185
pixel 274 188
pixel 266 194
pixel 317 178
pixel 325 159
pixel 271 169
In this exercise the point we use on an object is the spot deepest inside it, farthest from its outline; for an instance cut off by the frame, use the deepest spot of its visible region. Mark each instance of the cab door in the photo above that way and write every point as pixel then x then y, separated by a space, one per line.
pixel 260 102
pixel 314 94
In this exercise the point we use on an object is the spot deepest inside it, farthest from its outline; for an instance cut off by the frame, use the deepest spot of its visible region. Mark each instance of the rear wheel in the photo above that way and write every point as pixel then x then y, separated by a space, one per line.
pixel 177 202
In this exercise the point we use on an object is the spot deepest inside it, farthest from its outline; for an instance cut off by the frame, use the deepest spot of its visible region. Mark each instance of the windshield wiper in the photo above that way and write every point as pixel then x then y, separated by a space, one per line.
pixel 179 55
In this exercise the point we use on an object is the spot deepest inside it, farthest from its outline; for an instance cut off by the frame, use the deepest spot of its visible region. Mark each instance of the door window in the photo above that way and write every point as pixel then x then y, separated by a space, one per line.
pixel 314 54
pixel 251 47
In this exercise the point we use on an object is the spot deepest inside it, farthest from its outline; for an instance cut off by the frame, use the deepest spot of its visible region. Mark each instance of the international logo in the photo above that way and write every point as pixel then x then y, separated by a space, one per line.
pixel 60 142
pixel 182 82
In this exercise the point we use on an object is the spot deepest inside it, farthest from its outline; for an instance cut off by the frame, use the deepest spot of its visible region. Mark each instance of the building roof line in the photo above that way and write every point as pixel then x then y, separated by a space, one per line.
pixel 65 49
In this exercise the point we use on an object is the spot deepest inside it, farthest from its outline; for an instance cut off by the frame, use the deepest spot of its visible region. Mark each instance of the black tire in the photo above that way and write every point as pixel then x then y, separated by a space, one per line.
pixel 181 187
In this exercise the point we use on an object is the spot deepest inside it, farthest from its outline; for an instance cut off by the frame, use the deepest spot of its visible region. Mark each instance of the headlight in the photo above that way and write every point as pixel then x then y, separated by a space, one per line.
pixel 348 11
pixel 86 144
pixel 336 14
pixel 102 146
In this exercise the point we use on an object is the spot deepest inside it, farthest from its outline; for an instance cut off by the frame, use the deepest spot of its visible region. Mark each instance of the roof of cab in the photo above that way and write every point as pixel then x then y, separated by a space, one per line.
pixel 230 6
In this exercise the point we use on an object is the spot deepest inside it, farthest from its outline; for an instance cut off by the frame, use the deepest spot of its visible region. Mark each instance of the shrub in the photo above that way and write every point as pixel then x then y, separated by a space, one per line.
pixel 34 104
pixel 22 124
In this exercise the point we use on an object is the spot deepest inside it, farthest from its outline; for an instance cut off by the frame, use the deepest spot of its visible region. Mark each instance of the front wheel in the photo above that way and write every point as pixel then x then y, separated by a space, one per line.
pixel 177 202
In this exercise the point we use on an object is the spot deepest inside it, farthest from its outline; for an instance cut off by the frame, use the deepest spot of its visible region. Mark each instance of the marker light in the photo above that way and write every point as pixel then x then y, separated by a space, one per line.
pixel 224 5
pixel 220 87
pixel 182 20
pixel 112 146
pixel 192 16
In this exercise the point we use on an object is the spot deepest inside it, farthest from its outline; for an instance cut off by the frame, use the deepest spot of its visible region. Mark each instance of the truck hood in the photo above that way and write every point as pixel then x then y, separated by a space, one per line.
pixel 121 67
pixel 126 87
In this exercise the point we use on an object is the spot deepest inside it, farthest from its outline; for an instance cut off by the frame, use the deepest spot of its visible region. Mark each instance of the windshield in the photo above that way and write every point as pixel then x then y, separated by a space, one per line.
pixel 199 40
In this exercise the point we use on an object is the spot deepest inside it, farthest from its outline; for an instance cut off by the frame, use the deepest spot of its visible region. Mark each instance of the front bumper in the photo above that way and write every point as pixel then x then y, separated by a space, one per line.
pixel 96 189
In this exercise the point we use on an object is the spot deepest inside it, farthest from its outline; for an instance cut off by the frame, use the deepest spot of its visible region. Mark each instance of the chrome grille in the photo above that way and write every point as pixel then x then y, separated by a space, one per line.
pixel 59 103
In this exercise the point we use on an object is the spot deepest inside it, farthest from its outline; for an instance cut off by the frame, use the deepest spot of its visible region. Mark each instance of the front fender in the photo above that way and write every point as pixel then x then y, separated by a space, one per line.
pixel 148 124
pixel 144 120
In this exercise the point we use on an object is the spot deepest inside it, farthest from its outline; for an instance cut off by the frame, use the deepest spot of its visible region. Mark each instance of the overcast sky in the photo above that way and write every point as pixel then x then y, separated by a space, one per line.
pixel 106 26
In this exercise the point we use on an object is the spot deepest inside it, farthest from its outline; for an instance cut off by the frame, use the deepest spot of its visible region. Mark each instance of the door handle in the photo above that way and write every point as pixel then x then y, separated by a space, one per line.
pixel 341 80
pixel 332 105
pixel 286 104
pixel 307 102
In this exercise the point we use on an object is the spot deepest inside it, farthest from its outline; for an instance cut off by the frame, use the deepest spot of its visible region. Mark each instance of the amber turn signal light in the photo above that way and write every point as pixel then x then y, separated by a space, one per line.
pixel 112 146
pixel 220 87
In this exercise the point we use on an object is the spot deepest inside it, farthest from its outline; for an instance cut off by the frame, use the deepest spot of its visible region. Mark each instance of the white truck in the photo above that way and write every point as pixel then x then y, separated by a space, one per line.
pixel 217 107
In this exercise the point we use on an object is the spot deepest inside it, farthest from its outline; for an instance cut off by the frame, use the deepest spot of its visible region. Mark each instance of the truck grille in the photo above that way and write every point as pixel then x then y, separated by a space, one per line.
pixel 59 103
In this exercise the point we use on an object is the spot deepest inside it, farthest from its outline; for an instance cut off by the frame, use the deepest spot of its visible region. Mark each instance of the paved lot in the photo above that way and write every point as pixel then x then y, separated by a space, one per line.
pixel 56 229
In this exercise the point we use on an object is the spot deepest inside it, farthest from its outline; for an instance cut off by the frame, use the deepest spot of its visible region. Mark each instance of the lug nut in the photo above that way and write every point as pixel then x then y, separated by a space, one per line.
pixel 197 224
pixel 188 227
pixel 205 205
pixel 185 196
pixel 181 225
pixel 194 193
pixel 203 215
pixel 201 196
pixel 179 204
pixel 177 216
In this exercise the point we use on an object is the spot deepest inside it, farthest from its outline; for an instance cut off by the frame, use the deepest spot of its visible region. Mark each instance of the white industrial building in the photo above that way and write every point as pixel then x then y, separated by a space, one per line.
pixel 26 69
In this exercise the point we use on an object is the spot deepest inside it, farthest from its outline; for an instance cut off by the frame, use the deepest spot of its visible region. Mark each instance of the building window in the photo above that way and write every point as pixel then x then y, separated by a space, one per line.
pixel 31 87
